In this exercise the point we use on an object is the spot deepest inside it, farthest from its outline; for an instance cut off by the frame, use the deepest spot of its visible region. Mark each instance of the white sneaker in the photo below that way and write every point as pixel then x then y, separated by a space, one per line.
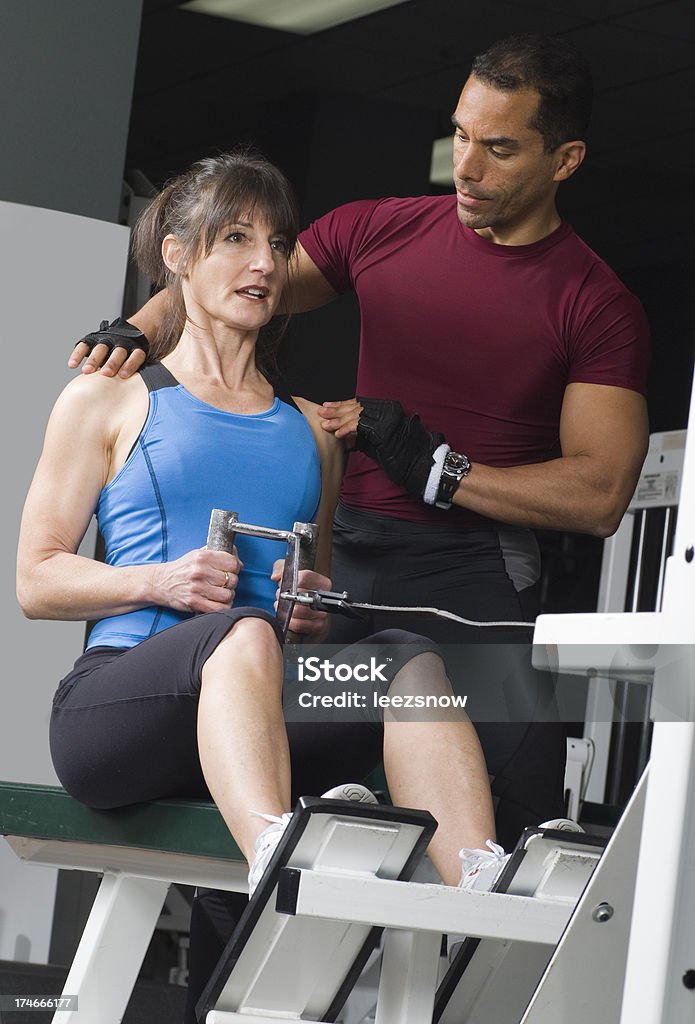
pixel 267 841
pixel 479 871
pixel 481 868
pixel 265 846
pixel 351 791
pixel 562 825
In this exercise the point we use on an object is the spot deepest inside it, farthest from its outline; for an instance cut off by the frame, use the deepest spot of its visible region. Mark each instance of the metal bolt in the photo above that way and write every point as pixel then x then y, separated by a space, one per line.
pixel 689 978
pixel 602 913
pixel 689 554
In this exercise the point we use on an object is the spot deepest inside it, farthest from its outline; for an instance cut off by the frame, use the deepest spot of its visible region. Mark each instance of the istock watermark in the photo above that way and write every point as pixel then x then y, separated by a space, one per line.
pixel 313 670
pixel 354 699
pixel 372 672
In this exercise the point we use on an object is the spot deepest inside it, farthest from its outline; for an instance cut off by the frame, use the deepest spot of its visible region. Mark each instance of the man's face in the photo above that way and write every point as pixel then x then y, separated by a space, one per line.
pixel 505 181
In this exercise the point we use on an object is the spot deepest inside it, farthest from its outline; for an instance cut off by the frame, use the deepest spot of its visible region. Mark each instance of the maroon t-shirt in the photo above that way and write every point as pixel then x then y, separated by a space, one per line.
pixel 480 339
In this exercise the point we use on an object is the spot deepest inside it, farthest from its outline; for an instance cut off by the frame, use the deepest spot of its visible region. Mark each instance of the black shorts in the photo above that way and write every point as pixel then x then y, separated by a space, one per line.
pixel 123 722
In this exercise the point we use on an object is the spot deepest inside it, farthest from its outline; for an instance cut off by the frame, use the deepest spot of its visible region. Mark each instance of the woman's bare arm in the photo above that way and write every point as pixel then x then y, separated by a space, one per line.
pixel 53 581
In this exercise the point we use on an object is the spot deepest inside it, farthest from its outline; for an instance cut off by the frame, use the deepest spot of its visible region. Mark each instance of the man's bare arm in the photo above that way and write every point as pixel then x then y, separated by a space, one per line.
pixel 306 287
pixel 604 436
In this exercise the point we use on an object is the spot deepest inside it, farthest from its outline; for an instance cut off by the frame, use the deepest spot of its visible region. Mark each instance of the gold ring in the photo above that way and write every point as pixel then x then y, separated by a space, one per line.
pixel 226 579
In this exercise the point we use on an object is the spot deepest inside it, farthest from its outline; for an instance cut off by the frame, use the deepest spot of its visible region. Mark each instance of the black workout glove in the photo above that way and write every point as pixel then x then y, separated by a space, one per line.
pixel 399 444
pixel 118 334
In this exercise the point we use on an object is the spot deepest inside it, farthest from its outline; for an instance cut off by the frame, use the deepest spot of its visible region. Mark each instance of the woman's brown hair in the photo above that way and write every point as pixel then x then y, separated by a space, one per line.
pixel 195 207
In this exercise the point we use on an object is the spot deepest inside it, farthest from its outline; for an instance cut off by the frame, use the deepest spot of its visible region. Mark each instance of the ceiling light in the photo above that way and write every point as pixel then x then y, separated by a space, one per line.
pixel 301 16
pixel 442 164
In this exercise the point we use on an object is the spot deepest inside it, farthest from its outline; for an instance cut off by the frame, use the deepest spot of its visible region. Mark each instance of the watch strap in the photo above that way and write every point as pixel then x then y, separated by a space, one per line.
pixel 456 467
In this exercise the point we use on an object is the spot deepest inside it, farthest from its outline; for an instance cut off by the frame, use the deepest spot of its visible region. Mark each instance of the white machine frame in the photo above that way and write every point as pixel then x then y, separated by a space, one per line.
pixel 658 488
pixel 658 648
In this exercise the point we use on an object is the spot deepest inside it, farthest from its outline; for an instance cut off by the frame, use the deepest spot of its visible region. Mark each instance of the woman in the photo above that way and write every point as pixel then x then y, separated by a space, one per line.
pixel 179 691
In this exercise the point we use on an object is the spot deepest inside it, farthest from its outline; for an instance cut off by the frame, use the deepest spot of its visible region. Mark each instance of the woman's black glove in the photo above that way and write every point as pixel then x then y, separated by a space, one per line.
pixel 118 334
pixel 401 446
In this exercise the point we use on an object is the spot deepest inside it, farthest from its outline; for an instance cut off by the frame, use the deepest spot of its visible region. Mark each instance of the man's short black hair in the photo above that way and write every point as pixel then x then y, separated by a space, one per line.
pixel 559 73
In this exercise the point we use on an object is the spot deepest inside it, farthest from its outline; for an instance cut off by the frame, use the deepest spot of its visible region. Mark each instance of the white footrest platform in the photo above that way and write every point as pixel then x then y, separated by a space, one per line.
pixel 283 967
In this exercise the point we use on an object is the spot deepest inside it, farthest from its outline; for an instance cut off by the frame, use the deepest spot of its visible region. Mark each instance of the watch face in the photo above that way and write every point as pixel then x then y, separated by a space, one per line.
pixel 456 464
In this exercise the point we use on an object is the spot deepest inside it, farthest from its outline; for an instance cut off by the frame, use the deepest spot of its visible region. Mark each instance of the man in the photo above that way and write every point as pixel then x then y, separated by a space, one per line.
pixel 485 314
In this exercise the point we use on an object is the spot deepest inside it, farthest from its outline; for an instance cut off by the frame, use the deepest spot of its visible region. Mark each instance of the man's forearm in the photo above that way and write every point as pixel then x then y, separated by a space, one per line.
pixel 563 494
pixel 150 317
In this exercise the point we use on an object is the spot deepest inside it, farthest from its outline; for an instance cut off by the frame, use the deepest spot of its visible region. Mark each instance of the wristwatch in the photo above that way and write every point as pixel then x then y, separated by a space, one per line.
pixel 455 467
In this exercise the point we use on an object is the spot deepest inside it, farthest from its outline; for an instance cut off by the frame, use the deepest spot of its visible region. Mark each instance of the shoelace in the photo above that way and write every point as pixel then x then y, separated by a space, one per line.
pixel 272 818
pixel 478 859
pixel 494 850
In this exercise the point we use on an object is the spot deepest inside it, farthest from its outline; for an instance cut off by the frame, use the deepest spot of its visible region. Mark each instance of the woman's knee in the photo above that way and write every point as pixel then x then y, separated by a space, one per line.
pixel 250 637
pixel 258 631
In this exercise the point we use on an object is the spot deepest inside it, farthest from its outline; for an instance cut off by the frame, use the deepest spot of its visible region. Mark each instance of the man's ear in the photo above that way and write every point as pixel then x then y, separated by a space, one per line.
pixel 172 253
pixel 569 157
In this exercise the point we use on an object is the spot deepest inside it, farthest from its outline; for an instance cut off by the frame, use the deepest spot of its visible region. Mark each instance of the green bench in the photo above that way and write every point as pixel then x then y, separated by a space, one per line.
pixel 140 851
pixel 193 827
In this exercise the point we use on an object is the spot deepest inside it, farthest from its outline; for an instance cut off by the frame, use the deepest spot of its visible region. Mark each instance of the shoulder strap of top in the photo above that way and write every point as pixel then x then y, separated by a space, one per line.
pixel 284 395
pixel 157 376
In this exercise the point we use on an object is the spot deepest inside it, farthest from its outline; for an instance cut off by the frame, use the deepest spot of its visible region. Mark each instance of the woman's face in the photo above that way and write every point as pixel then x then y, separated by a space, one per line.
pixel 240 281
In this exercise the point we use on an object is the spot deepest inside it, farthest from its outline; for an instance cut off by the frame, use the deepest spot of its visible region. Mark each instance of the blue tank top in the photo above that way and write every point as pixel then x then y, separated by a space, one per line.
pixel 188 459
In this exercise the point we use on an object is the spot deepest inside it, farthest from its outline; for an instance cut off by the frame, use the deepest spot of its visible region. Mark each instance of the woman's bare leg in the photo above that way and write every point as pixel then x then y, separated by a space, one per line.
pixel 242 740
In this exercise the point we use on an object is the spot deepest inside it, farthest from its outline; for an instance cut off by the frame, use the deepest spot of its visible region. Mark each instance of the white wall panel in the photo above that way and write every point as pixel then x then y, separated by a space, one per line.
pixel 59 275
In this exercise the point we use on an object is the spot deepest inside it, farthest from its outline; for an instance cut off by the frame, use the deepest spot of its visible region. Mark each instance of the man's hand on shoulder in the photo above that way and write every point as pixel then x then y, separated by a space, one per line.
pixel 120 343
